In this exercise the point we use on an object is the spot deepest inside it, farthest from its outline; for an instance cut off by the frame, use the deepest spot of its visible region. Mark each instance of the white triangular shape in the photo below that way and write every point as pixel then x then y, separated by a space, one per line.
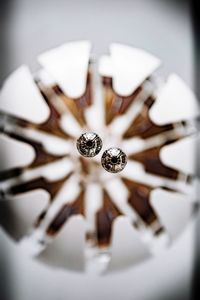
pixel 181 155
pixel 68 65
pixel 20 97
pixel 131 66
pixel 19 214
pixel 175 102
pixel 14 153
pixel 127 246
pixel 174 210
pixel 67 249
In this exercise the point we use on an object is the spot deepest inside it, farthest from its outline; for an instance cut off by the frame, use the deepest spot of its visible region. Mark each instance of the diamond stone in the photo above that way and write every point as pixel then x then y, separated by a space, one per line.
pixel 114 160
pixel 89 144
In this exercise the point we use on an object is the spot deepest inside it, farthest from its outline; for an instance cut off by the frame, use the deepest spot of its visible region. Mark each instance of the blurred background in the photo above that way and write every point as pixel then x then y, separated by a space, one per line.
pixel 162 27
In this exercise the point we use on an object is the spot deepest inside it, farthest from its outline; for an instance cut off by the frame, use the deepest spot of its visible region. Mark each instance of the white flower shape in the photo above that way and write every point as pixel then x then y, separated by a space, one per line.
pixel 67 210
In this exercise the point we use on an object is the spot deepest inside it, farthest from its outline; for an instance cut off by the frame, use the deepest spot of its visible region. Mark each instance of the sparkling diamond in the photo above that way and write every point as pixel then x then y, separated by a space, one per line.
pixel 89 144
pixel 114 160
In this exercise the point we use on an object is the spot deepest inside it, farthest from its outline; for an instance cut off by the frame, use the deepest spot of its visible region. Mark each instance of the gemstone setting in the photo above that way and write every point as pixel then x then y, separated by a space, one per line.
pixel 89 144
pixel 114 160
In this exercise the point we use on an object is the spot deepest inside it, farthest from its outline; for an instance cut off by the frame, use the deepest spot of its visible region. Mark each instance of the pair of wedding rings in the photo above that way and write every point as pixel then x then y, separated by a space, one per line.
pixel 113 160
